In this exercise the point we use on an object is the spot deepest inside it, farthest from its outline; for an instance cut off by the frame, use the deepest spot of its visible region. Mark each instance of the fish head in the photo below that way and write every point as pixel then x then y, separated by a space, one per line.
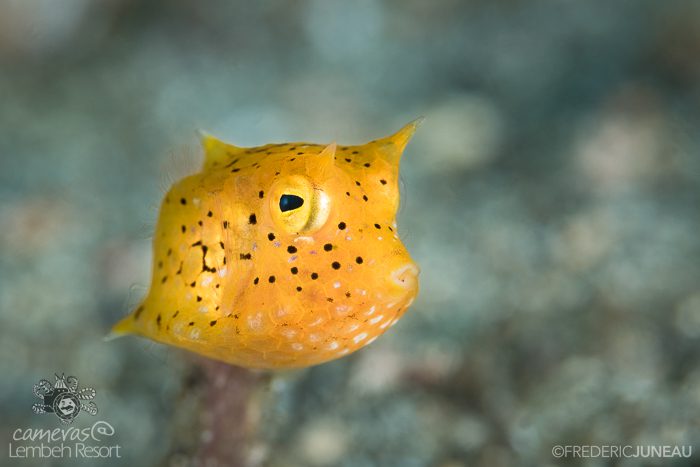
pixel 329 269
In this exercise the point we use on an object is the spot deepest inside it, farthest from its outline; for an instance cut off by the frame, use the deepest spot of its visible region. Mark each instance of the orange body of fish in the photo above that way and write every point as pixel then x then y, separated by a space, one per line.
pixel 280 256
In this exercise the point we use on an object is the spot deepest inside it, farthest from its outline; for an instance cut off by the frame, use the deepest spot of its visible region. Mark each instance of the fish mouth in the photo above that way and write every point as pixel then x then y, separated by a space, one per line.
pixel 405 276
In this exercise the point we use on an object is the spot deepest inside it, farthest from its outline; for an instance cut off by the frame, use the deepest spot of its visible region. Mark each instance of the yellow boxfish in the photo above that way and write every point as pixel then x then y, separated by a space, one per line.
pixel 280 256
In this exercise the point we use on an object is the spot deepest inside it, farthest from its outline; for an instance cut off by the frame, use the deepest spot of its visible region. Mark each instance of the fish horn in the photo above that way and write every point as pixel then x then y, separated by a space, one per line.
pixel 391 147
pixel 216 152
pixel 321 165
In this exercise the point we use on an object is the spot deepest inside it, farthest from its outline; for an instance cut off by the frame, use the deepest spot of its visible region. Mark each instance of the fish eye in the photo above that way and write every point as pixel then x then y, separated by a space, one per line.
pixel 297 206
pixel 290 202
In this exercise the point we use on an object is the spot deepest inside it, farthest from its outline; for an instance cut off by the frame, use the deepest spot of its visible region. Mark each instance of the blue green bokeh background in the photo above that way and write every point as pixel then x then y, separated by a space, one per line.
pixel 551 198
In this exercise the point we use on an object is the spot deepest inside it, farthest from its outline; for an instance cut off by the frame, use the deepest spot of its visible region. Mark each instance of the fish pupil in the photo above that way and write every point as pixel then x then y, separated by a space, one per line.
pixel 290 202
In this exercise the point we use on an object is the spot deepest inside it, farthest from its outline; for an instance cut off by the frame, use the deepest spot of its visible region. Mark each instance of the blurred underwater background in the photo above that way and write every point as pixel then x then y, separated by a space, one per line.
pixel 551 199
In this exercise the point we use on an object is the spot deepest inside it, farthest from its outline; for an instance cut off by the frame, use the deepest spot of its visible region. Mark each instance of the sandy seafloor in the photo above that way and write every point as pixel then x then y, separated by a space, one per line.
pixel 551 199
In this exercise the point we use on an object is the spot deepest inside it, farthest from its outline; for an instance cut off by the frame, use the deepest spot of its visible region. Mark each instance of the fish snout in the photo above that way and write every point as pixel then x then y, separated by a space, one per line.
pixel 405 276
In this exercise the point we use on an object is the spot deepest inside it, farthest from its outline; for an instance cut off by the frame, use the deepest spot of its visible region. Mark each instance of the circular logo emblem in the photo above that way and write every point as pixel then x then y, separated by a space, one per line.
pixel 64 398
pixel 66 406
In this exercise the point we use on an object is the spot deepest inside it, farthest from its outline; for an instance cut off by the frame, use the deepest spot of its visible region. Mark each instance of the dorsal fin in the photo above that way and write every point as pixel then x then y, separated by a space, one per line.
pixel 216 152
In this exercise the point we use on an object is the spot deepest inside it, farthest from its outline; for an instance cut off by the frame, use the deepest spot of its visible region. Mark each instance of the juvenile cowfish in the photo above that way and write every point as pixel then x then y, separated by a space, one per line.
pixel 280 256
